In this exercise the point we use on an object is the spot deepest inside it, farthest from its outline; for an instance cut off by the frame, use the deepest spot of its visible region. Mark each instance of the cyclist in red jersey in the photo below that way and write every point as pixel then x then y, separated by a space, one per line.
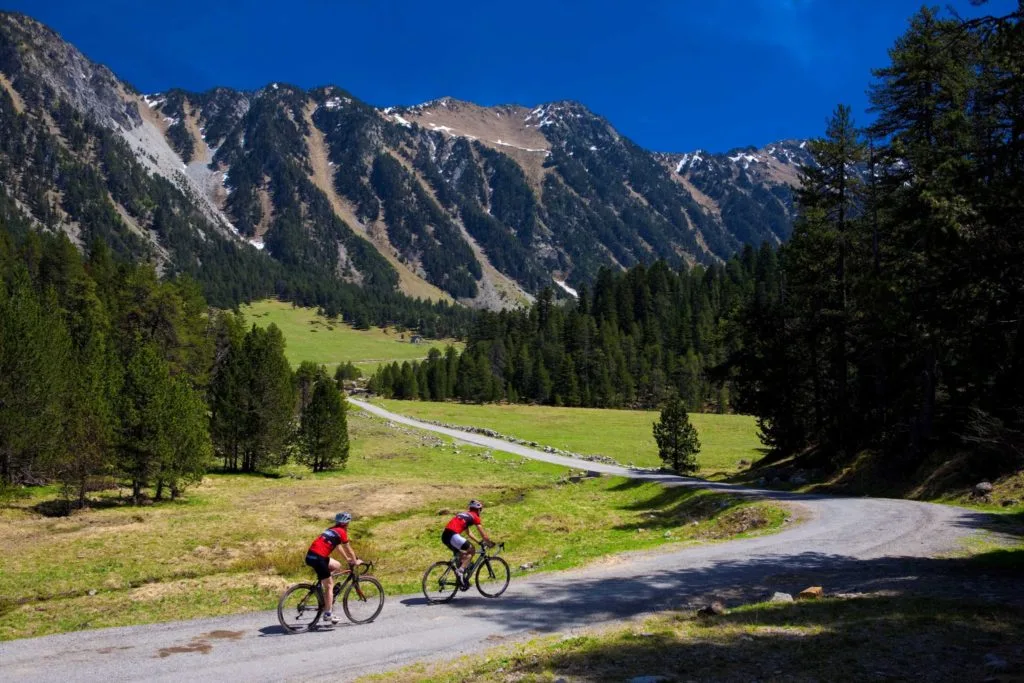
pixel 319 558
pixel 453 539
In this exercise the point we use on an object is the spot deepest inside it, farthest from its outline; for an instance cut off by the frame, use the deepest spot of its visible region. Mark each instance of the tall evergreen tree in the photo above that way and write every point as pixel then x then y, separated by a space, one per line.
pixel 678 443
pixel 324 429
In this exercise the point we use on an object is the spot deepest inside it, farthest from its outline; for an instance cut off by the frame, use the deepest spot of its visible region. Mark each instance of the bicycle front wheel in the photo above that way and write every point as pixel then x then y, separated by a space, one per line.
pixel 363 600
pixel 299 608
pixel 492 577
pixel 440 583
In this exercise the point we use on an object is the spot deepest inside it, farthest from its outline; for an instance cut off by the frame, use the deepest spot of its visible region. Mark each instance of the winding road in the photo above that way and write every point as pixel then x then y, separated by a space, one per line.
pixel 844 544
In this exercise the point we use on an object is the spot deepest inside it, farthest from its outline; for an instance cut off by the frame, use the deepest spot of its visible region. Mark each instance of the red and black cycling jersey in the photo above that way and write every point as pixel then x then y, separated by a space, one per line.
pixel 326 542
pixel 462 520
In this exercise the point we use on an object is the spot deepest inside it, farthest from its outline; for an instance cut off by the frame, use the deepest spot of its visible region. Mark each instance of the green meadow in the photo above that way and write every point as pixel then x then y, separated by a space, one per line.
pixel 624 435
pixel 312 337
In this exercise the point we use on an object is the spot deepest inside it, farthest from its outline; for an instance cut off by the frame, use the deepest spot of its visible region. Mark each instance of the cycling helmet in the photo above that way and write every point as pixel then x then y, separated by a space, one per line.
pixel 476 505
pixel 342 518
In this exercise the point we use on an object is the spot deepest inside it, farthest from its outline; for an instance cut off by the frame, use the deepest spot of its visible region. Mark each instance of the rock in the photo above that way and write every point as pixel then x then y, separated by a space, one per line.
pixel 648 679
pixel 92 592
pixel 668 534
pixel 1010 502
pixel 781 597
pixel 798 479
pixel 995 663
pixel 641 530
pixel 526 565
pixel 811 593
pixel 444 511
pixel 983 488
pixel 762 481
pixel 715 609
pixel 744 463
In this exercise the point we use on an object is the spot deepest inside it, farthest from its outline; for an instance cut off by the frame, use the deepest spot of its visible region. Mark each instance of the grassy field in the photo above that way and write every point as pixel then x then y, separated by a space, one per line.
pixel 874 637
pixel 624 435
pixel 314 338
pixel 235 541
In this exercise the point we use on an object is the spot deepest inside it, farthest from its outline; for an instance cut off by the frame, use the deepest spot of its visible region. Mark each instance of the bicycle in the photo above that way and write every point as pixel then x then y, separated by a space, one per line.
pixel 491 574
pixel 302 605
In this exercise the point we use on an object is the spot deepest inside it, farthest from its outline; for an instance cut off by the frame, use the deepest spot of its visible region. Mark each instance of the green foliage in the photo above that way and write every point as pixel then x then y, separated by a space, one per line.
pixel 678 443
pixel 896 324
pixel 632 340
pixel 323 433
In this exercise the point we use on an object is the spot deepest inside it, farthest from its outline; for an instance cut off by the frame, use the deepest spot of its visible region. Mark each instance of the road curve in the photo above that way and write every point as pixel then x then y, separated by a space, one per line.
pixel 845 544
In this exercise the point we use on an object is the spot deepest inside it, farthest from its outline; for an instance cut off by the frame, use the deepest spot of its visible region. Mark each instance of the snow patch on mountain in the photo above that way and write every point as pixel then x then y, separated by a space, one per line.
pixel 569 290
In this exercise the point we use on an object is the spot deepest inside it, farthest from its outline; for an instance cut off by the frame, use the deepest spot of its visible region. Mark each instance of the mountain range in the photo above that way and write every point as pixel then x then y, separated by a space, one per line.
pixel 446 200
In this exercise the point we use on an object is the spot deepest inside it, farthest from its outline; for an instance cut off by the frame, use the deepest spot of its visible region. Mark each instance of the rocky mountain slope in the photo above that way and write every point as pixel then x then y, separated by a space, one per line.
pixel 446 200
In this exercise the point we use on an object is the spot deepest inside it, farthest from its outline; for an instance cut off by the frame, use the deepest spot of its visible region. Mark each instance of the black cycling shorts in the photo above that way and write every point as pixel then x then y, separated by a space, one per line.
pixel 322 565
pixel 446 538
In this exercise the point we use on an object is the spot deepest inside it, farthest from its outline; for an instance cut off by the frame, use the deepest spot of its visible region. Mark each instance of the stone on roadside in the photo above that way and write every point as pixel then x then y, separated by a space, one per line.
pixel 810 593
pixel 1010 502
pixel 715 609
pixel 92 592
pixel 781 597
pixel 526 565
pixel 444 511
pixel 983 488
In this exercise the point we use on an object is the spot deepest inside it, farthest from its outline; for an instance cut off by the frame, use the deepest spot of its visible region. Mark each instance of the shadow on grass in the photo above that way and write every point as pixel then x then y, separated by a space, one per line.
pixel 672 507
pixel 871 638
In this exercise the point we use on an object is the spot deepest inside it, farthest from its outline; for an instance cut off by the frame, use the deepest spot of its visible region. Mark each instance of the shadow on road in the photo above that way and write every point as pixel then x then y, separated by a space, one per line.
pixel 554 604
pixel 873 638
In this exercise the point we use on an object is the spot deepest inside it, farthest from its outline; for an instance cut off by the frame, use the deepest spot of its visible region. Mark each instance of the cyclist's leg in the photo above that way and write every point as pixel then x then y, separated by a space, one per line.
pixel 323 567
pixel 328 583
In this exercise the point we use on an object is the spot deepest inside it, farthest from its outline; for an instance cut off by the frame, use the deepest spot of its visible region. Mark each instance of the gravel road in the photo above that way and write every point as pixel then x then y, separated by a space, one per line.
pixel 843 544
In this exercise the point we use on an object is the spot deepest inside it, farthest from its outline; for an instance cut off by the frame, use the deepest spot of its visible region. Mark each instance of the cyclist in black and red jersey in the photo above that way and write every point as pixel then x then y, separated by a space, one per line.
pixel 452 537
pixel 319 558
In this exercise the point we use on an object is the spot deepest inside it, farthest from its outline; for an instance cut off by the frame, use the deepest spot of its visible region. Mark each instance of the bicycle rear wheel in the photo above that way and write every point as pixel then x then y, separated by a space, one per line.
pixel 440 583
pixel 299 608
pixel 364 600
pixel 492 577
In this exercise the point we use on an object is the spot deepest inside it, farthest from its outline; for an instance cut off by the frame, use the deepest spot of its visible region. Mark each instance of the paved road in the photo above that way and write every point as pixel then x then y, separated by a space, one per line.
pixel 845 544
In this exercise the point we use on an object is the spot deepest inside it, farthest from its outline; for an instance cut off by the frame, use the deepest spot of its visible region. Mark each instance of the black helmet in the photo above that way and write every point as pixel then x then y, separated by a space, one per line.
pixel 342 518
pixel 476 505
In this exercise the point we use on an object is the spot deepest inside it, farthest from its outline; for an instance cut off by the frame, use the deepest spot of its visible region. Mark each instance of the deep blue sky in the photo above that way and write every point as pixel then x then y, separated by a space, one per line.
pixel 673 75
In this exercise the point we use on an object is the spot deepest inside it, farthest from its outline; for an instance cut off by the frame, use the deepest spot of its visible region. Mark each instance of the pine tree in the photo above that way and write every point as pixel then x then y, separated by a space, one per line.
pixel 323 433
pixel 678 443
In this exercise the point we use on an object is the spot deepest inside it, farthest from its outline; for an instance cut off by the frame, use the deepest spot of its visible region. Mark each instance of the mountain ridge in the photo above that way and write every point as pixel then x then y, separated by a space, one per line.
pixel 446 199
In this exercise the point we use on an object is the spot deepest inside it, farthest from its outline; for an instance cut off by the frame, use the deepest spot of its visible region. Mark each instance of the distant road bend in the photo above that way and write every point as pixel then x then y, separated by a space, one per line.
pixel 845 544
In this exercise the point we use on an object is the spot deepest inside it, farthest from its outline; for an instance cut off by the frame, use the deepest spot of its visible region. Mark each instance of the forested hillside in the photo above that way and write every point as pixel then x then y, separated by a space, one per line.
pixel 631 341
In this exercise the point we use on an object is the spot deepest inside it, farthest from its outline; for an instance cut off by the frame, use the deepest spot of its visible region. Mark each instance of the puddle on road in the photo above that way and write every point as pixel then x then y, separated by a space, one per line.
pixel 110 650
pixel 200 644
pixel 224 635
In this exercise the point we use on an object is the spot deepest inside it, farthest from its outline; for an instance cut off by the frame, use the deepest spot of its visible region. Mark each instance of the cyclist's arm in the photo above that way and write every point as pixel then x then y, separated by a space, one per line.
pixel 348 553
pixel 483 533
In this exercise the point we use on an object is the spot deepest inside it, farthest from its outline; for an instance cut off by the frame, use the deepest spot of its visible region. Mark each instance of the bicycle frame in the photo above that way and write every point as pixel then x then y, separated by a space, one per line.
pixel 480 557
pixel 351 575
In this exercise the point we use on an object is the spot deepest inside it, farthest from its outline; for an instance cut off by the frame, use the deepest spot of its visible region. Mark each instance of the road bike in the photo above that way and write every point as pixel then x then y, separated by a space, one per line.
pixel 490 572
pixel 302 605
